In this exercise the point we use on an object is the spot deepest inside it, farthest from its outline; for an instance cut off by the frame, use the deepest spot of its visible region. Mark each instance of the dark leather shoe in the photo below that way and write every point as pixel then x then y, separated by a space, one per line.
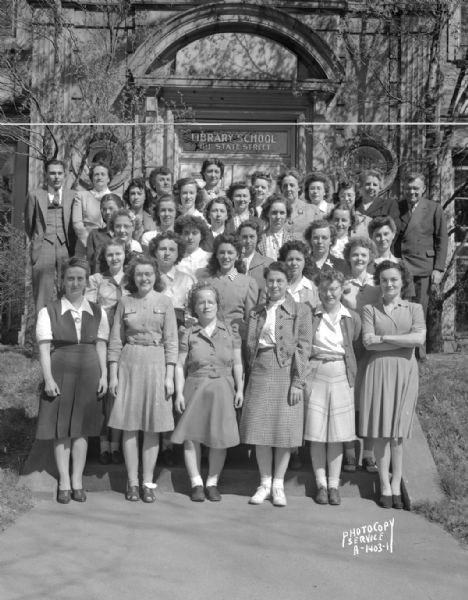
pixel 386 501
pixel 147 494
pixel 334 496
pixel 369 465
pixel 132 494
pixel 212 493
pixel 117 458
pixel 397 502
pixel 349 464
pixel 63 496
pixel 322 496
pixel 105 458
pixel 197 494
pixel 78 495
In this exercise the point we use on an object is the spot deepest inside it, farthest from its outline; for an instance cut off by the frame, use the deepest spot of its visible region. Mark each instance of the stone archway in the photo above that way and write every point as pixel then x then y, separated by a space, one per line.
pixel 272 23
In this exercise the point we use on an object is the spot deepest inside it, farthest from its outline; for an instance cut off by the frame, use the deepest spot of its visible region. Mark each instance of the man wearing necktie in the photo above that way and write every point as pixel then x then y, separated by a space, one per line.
pixel 47 221
pixel 422 238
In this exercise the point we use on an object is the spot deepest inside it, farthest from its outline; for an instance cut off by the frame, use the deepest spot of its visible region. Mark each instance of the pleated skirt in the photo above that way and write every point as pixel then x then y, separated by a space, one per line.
pixel 77 411
pixel 209 416
pixel 329 409
pixel 267 418
pixel 141 403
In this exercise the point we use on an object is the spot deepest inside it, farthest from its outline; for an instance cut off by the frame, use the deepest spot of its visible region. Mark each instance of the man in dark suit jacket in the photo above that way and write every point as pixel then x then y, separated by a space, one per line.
pixel 422 238
pixel 48 224
pixel 249 233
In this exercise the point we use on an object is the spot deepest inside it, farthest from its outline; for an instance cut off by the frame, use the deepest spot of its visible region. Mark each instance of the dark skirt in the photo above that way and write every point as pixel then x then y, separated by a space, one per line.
pixel 267 418
pixel 77 411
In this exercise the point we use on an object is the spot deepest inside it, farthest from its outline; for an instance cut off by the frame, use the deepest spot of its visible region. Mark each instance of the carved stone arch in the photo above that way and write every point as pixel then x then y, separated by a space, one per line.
pixel 210 19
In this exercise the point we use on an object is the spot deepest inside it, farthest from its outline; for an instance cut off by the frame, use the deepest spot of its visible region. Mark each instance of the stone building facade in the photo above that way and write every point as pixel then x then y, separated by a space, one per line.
pixel 330 85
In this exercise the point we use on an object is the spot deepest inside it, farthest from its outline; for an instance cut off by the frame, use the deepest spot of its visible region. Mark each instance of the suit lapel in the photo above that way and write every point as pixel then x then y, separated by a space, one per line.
pixel 43 200
pixel 67 201
pixel 418 215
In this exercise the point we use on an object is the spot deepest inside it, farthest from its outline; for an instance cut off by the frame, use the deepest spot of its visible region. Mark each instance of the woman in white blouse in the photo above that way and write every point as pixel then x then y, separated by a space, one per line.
pixel 75 376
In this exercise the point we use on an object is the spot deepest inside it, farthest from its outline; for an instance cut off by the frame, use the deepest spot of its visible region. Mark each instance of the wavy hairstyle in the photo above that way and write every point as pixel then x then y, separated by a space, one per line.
pixel 225 238
pixel 200 287
pixel 359 241
pixel 167 235
pixel 401 267
pixel 219 200
pixel 141 259
pixel 316 176
pixel 320 224
pixel 303 248
pixel 102 262
pixel 191 221
pixel 140 184
pixel 271 200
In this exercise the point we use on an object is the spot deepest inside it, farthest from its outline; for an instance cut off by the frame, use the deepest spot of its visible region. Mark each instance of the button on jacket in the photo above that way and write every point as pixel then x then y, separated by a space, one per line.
pixel 293 333
pixel 350 329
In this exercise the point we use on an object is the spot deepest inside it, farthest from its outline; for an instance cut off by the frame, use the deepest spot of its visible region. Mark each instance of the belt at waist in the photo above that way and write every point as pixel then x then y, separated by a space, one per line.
pixel 265 348
pixel 134 342
pixel 331 358
pixel 211 372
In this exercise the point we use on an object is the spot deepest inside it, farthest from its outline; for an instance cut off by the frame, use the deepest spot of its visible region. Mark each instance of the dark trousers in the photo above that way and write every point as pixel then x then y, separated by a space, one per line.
pixel 46 273
pixel 422 287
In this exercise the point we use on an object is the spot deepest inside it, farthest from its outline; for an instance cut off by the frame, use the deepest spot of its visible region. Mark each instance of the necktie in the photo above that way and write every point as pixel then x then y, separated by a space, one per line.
pixel 56 200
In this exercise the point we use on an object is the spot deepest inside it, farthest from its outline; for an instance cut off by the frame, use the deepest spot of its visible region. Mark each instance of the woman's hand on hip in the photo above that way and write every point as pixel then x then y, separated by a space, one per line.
pixel 295 396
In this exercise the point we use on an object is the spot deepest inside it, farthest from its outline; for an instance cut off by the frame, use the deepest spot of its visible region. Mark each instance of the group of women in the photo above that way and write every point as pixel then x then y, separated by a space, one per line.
pixel 243 316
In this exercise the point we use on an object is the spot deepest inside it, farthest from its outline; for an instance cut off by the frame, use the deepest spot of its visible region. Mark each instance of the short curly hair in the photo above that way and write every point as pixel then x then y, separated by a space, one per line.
pixel 289 173
pixel 100 163
pixel 160 170
pixel 191 221
pixel 196 289
pixel 406 277
pixel 271 200
pixel 327 276
pixel 317 176
pixel 168 235
pixel 379 222
pixel 275 266
pixel 320 224
pixel 363 175
pixel 359 241
pixel 212 161
pixel 219 200
pixel 253 224
pixel 122 212
pixel 303 248
pixel 141 259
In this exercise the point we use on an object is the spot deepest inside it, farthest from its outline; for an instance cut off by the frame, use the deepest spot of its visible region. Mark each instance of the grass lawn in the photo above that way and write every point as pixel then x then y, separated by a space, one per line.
pixel 19 379
pixel 443 413
pixel 442 409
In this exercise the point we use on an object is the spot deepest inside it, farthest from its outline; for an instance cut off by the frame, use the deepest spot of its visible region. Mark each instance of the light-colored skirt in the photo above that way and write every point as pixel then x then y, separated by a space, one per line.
pixel 329 410
pixel 141 402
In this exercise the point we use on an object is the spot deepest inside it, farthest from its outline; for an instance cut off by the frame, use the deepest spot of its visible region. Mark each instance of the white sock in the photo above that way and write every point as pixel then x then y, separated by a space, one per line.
pixel 150 485
pixel 105 446
pixel 278 483
pixel 114 446
pixel 321 482
pixel 212 481
pixel 265 482
pixel 197 480
pixel 333 482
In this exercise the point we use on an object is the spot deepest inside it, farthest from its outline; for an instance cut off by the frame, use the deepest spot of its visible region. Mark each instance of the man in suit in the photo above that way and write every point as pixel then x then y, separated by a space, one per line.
pixel 422 238
pixel 249 233
pixel 48 225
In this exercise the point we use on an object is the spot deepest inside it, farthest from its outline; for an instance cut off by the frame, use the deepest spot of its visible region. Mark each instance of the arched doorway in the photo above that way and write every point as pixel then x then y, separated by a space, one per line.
pixel 249 113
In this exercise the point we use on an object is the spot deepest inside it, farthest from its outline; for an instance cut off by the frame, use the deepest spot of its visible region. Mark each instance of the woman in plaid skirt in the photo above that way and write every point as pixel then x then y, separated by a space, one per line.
pixel 278 347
